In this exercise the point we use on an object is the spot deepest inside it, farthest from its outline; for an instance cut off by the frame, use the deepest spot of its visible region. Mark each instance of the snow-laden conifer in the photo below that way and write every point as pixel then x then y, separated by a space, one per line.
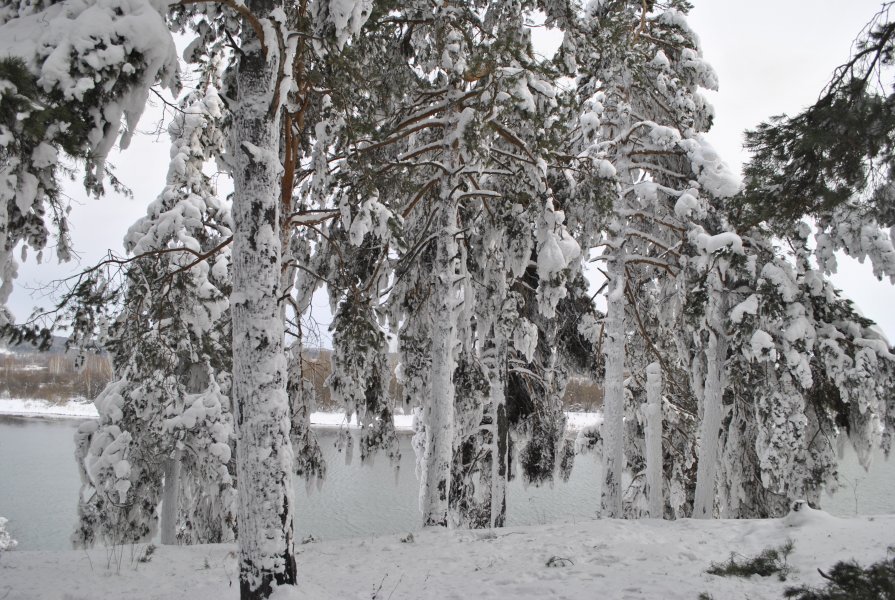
pixel 166 419
pixel 72 77
pixel 818 375
pixel 99 59
pixel 516 234
pixel 640 72
pixel 478 138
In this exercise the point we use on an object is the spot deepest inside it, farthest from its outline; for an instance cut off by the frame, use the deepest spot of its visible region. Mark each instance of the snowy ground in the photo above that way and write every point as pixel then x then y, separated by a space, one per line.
pixel 603 558
pixel 84 409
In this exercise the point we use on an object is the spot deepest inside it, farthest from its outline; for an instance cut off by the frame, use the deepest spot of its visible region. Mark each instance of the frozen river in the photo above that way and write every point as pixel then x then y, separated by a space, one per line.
pixel 39 485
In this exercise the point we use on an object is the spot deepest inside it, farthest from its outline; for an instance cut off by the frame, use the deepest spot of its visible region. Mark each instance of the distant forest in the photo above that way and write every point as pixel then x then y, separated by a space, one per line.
pixel 54 377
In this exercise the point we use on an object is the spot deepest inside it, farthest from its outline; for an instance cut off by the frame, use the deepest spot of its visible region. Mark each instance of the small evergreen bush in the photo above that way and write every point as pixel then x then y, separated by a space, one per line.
pixel 769 562
pixel 849 581
pixel 6 541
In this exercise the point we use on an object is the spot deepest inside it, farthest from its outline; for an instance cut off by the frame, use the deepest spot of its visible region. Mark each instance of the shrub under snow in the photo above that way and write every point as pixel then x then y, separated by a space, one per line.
pixel 6 541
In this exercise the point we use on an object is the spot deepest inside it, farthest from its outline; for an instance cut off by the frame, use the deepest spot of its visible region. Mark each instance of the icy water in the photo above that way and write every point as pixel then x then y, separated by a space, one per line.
pixel 39 485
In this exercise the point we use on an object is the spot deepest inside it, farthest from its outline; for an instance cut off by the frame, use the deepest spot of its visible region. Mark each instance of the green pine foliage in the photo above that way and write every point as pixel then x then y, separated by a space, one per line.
pixel 838 148
pixel 770 561
pixel 847 580
pixel 25 107
pixel 818 159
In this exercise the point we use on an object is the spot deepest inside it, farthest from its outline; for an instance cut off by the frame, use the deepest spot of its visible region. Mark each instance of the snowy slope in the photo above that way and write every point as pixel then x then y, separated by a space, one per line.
pixel 606 559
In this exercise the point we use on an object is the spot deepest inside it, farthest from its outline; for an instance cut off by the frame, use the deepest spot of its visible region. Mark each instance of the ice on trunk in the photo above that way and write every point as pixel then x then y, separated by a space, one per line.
pixel 264 457
pixel 613 386
pixel 654 440
pixel 712 396
pixel 438 412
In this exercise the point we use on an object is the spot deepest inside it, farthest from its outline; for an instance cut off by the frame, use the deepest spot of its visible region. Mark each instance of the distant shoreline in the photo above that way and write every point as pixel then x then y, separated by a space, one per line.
pixel 32 408
pixel 85 410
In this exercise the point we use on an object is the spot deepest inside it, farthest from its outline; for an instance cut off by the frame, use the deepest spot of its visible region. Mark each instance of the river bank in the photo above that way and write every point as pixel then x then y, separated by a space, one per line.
pixel 77 408
pixel 80 408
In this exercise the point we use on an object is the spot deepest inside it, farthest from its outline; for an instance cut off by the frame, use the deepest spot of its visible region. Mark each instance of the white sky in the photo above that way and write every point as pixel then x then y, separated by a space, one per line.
pixel 772 56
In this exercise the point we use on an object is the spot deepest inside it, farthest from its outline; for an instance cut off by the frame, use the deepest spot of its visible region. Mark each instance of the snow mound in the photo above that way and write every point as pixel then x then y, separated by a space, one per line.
pixel 801 515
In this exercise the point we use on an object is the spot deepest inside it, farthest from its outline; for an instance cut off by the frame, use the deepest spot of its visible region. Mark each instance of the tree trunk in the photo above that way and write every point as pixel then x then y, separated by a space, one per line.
pixel 263 449
pixel 438 413
pixel 168 524
pixel 500 429
pixel 614 382
pixel 653 440
pixel 716 352
pixel 495 361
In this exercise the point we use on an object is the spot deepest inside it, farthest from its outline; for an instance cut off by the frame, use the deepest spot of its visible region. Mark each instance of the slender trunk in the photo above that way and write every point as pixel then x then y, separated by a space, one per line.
pixel 495 361
pixel 171 491
pixel 263 449
pixel 496 365
pixel 438 413
pixel 614 383
pixel 500 435
pixel 716 351
pixel 654 440
pixel 196 377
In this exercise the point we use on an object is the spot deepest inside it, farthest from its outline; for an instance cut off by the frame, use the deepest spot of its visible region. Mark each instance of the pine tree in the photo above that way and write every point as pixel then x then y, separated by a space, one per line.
pixel 68 78
pixel 835 153
pixel 266 84
pixel 640 70
pixel 832 162
pixel 817 374
pixel 469 134
pixel 170 349
pixel 705 302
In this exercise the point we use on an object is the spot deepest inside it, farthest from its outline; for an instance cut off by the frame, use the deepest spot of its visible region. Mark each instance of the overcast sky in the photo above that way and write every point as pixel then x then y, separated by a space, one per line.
pixel 771 57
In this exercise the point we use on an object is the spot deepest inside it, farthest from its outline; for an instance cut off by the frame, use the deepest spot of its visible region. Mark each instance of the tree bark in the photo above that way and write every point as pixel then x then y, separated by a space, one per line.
pixel 716 352
pixel 438 413
pixel 500 431
pixel 614 382
pixel 263 449
pixel 653 440
pixel 496 365
pixel 168 524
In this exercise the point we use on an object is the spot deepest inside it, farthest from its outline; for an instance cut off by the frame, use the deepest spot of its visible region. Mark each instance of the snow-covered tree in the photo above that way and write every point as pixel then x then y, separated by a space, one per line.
pixel 832 162
pixel 655 309
pixel 640 72
pixel 472 129
pixel 361 376
pixel 703 300
pixel 167 415
pixel 99 59
pixel 818 375
pixel 521 262
pixel 677 222
pixel 70 73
